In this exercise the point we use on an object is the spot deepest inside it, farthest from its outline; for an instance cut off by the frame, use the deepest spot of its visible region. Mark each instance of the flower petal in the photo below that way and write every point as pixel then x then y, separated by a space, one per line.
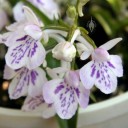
pixel 38 78
pixel 9 73
pixel 115 64
pixel 37 55
pixel 48 88
pixel 34 31
pixel 87 74
pixel 110 44
pixel 62 96
pixel 33 104
pixel 10 38
pixel 19 85
pixel 82 96
pixel 16 25
pixel 48 7
pixel 49 111
pixel 65 102
pixel 82 40
pixel 26 52
pixel 72 78
pixel 106 80
pixel 30 16
pixel 18 12
pixel 37 104
pixel 85 55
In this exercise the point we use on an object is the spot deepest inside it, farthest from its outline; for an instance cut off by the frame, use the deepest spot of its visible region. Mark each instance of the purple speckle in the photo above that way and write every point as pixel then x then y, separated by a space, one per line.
pixel 34 74
pixel 34 49
pixel 23 38
pixel 110 64
pixel 40 2
pixel 93 71
pixel 58 89
pixel 98 74
pixel 77 92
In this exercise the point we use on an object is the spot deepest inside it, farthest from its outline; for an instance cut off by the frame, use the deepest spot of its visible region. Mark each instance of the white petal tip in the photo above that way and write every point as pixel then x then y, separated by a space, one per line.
pixel 119 39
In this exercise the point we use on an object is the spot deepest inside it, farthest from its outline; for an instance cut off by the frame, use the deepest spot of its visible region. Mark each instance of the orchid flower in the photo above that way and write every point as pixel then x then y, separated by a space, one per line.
pixel 103 70
pixel 65 93
pixel 66 50
pixel 23 40
pixel 37 104
pixel 25 81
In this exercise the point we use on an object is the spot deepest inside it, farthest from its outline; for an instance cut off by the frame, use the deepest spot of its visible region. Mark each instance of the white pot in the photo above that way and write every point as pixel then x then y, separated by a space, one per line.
pixel 112 113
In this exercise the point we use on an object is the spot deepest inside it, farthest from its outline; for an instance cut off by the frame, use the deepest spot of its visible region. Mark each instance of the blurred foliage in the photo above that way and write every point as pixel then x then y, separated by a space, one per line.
pixel 111 14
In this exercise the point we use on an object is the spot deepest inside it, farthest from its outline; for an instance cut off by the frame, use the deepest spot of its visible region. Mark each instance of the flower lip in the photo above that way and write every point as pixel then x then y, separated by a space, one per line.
pixel 100 55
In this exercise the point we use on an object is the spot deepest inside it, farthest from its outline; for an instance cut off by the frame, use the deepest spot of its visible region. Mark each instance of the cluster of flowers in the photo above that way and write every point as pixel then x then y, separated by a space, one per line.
pixel 61 89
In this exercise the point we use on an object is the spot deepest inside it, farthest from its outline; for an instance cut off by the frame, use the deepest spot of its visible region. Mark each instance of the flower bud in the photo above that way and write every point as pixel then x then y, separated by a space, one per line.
pixel 71 12
pixel 80 6
pixel 64 51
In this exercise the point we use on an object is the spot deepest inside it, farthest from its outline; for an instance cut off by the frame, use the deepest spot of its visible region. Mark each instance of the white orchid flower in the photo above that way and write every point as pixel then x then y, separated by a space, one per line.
pixel 103 70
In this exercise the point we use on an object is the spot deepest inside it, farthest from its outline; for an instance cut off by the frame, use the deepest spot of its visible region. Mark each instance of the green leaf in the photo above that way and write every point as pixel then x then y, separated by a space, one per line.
pixel 105 19
pixel 52 62
pixel 13 2
pixel 116 5
pixel 93 98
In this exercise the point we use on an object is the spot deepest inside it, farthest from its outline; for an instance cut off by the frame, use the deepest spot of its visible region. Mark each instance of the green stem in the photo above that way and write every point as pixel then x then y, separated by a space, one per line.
pixel 70 33
pixel 84 34
pixel 55 28
pixel 62 123
pixel 72 123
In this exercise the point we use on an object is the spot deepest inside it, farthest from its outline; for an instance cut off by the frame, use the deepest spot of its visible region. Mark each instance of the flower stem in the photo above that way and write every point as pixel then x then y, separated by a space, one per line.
pixel 72 123
pixel 62 123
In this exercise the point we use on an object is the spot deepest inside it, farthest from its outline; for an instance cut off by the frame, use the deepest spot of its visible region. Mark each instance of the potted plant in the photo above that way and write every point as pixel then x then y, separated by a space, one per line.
pixel 59 73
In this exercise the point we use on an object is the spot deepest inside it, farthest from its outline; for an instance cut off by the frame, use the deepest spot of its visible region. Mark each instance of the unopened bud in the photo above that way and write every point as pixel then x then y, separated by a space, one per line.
pixel 71 12
pixel 80 6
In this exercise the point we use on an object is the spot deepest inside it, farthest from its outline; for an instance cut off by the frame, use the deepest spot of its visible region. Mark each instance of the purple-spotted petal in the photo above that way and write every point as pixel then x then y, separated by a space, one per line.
pixel 115 64
pixel 82 95
pixel 19 85
pixel 32 104
pixel 87 74
pixel 27 82
pixel 107 81
pixel 37 104
pixel 12 37
pixel 65 102
pixel 26 52
pixel 37 56
pixel 48 89
pixel 62 96
pixel 38 78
